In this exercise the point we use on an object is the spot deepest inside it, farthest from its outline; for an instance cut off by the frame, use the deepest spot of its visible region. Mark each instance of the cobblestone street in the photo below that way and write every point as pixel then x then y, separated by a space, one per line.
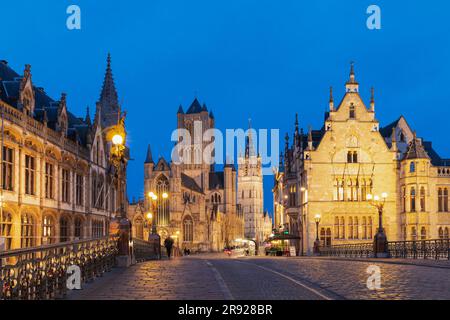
pixel 218 277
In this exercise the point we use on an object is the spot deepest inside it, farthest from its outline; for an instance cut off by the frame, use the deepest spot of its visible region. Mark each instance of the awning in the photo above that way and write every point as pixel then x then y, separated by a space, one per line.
pixel 283 237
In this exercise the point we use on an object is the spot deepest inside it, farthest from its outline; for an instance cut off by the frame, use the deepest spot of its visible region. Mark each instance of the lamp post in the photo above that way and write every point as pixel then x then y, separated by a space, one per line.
pixel 117 158
pixel 380 243
pixel 317 219
pixel 154 238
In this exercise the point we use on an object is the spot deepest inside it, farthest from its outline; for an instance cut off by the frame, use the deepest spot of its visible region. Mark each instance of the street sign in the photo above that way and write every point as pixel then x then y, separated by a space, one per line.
pixel 292 251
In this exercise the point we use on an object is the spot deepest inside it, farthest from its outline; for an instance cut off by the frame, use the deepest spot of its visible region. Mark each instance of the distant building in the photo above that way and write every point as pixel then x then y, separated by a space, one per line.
pixel 56 183
pixel 251 194
pixel 332 170
pixel 201 209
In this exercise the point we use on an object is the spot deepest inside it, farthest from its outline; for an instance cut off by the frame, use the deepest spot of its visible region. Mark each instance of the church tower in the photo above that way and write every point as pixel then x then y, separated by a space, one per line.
pixel 196 121
pixel 250 190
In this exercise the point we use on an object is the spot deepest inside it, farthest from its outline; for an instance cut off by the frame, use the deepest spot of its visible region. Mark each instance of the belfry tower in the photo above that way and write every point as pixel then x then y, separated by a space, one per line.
pixel 250 190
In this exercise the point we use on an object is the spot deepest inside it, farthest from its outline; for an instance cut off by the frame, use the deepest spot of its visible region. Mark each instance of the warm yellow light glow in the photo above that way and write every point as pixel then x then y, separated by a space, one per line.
pixel 369 197
pixel 165 195
pixel 117 139
pixel 149 215
pixel 151 194
pixel 317 217
pixel 384 195
pixel 285 196
pixel 178 232
pixel 302 189
pixel 376 198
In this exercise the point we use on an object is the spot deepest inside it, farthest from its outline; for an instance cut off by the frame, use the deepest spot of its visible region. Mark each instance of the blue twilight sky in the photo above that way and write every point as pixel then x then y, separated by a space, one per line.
pixel 245 58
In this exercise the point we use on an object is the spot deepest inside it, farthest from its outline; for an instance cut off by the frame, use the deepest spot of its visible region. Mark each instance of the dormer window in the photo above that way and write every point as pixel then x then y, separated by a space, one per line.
pixel 402 137
pixel 352 114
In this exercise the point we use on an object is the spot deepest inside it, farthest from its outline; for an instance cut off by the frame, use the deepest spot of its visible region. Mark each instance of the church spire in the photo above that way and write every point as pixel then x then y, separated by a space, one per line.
pixel 331 99
pixel 352 85
pixel 149 159
pixel 88 117
pixel 249 146
pixel 109 100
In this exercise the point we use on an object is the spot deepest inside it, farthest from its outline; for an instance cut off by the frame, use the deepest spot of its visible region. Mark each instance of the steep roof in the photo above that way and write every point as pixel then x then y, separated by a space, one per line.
pixel 46 108
pixel 195 107
pixel 190 183
pixel 415 150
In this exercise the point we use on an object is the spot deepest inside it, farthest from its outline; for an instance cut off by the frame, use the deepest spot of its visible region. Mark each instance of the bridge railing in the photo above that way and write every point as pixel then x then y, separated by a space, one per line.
pixel 41 273
pixel 421 249
pixel 352 250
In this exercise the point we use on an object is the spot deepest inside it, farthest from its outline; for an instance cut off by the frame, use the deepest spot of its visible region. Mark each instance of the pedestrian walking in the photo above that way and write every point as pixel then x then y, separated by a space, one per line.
pixel 168 243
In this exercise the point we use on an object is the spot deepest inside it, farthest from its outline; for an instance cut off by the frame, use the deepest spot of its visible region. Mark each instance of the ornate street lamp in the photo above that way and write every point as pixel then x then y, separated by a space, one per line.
pixel 317 219
pixel 380 243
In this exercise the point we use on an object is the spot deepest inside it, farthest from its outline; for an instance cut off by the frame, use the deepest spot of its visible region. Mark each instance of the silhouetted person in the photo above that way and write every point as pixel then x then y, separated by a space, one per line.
pixel 168 243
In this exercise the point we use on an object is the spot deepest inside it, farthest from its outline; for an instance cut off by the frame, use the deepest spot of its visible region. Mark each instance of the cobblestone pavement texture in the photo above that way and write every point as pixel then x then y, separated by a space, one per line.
pixel 216 277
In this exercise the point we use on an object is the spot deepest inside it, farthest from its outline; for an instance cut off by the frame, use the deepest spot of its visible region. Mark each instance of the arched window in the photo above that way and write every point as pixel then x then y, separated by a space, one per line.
pixel 336 228
pixel 27 231
pixel 6 229
pixel 412 167
pixel 78 228
pixel 355 228
pixel 64 229
pixel 422 199
pixel 139 228
pixel 48 230
pixel 369 228
pixel 363 190
pixel 162 187
pixel 440 200
pixel 445 200
pixel 364 228
pixel 341 190
pixel 350 228
pixel 423 233
pixel 101 192
pixel 94 190
pixel 402 137
pixel 441 233
pixel 446 233
pixel 413 200
pixel 188 229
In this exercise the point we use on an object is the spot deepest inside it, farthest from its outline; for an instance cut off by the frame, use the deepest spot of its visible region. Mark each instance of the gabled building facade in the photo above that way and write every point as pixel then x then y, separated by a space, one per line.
pixel 56 184
pixel 329 172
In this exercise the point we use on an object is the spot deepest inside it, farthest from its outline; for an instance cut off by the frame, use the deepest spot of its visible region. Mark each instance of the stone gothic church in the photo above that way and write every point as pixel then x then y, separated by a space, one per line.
pixel 200 211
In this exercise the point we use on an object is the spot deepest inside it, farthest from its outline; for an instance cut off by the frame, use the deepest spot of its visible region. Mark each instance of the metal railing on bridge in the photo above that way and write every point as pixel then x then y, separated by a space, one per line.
pixel 41 273
pixel 420 249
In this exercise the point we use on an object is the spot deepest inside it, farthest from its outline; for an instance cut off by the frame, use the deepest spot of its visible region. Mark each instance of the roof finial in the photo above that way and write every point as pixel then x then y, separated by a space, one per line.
pixel 372 99
pixel 88 117
pixel 352 85
pixel 352 71
pixel 331 99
